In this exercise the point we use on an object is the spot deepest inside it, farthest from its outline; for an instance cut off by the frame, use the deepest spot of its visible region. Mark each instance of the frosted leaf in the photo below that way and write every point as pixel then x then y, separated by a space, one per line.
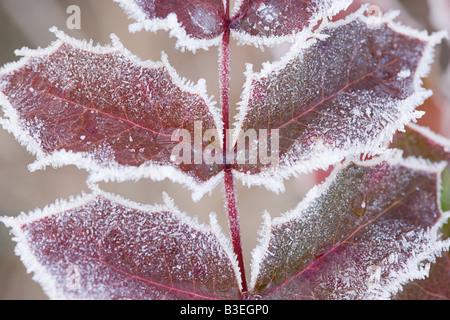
pixel 421 142
pixel 197 24
pixel 271 22
pixel 100 246
pixel 367 230
pixel 102 109
pixel 339 97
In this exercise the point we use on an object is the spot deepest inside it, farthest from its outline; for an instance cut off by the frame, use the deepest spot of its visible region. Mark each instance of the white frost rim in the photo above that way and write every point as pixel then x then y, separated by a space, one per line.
pixel 118 173
pixel 417 270
pixel 273 179
pixel 47 282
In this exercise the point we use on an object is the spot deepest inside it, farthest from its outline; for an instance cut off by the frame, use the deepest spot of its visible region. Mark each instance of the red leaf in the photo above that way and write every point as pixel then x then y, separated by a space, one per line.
pixel 100 246
pixel 422 142
pixel 196 24
pixel 271 22
pixel 370 228
pixel 103 110
pixel 338 97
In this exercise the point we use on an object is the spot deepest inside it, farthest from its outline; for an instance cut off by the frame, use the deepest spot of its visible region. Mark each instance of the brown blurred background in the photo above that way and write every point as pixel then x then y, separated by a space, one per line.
pixel 26 23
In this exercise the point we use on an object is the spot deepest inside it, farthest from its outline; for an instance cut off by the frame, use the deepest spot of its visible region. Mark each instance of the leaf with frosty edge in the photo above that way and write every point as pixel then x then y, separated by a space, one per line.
pixel 368 229
pixel 102 109
pixel 272 22
pixel 421 142
pixel 100 246
pixel 196 24
pixel 338 97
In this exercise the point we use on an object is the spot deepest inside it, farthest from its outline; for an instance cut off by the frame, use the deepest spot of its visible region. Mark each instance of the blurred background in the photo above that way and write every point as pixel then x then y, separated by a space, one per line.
pixel 26 23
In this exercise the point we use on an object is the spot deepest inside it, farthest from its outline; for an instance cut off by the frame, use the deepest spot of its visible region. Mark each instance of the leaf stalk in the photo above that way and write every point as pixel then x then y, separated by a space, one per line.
pixel 229 185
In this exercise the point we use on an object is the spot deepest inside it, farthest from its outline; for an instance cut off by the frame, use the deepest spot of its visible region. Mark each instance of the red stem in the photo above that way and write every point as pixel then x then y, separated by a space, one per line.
pixel 225 84
pixel 233 222
pixel 229 186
